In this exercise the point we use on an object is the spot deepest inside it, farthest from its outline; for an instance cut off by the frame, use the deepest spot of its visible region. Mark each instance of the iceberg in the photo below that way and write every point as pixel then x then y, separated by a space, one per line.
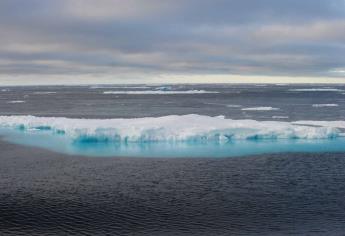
pixel 172 136
pixel 174 128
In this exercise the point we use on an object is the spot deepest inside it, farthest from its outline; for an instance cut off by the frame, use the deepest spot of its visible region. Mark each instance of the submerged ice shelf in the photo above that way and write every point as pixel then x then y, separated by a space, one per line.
pixel 172 136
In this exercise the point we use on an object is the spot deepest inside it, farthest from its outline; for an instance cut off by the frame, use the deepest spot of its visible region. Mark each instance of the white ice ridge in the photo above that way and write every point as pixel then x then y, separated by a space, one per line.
pixel 117 87
pixel 159 92
pixel 16 101
pixel 325 105
pixel 173 128
pixel 280 117
pixel 317 90
pixel 260 109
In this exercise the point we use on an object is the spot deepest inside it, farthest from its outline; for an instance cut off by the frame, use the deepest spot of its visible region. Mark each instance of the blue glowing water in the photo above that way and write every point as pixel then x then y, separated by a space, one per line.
pixel 62 143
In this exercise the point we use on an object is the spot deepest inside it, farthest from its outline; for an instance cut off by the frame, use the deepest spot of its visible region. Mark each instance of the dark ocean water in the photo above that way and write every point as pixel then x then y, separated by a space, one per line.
pixel 45 193
pixel 90 102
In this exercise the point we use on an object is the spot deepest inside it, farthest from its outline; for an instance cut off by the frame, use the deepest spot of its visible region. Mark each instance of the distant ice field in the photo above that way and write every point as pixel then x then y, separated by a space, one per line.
pixel 159 92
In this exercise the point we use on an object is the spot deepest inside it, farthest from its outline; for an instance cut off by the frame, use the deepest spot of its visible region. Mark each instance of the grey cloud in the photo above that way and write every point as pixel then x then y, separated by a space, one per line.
pixel 263 37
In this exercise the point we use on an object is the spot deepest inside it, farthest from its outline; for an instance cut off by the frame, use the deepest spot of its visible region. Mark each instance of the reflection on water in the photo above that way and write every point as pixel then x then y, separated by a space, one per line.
pixel 43 193
pixel 60 142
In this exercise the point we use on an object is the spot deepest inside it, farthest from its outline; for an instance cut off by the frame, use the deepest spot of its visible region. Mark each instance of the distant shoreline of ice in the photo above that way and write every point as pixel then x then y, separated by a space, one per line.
pixel 153 92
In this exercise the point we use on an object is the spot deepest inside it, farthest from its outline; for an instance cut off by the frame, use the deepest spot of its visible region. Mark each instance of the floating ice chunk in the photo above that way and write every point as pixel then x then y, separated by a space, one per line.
pixel 16 101
pixel 325 105
pixel 260 109
pixel 159 92
pixel 234 106
pixel 317 90
pixel 117 87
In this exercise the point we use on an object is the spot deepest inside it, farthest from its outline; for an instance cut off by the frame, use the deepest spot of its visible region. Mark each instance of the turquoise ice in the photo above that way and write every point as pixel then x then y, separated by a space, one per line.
pixel 172 136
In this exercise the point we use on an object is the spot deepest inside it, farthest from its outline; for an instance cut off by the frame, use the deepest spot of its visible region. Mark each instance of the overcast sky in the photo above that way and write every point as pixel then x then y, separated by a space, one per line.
pixel 124 41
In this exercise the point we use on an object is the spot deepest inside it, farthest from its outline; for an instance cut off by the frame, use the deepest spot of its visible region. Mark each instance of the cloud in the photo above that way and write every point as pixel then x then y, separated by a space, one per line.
pixel 114 38
pixel 115 9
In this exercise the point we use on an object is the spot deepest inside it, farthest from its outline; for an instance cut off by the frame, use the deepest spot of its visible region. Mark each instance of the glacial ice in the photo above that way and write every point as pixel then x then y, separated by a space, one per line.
pixel 174 128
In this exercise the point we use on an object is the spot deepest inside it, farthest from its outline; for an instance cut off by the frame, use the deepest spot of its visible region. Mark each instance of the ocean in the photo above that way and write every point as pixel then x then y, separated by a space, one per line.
pixel 172 160
pixel 295 102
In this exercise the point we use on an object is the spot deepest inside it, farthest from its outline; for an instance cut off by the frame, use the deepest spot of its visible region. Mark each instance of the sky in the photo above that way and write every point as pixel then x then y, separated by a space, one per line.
pixel 171 41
